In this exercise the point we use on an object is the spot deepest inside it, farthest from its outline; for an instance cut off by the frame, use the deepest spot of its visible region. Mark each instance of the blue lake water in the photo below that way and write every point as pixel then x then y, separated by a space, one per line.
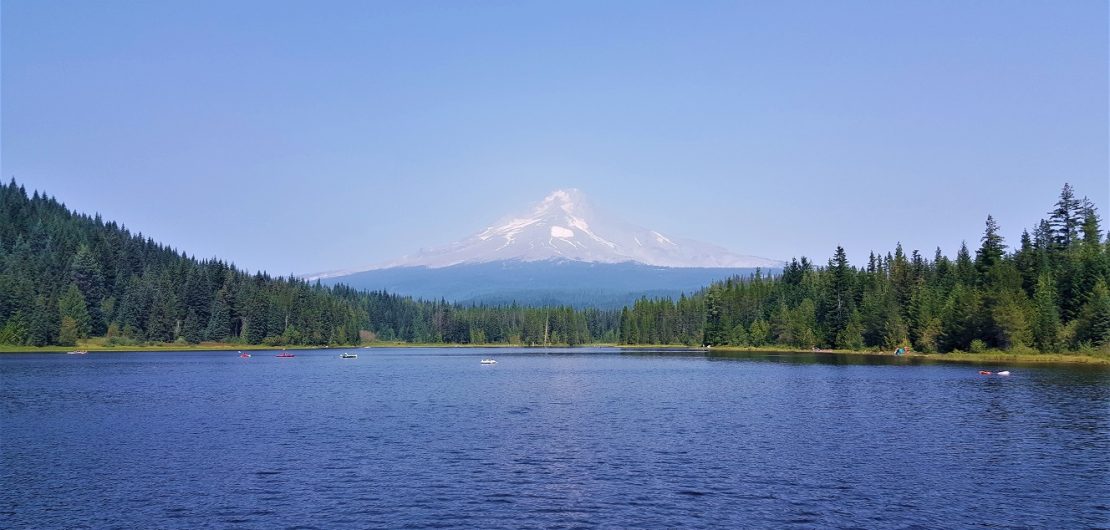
pixel 421 438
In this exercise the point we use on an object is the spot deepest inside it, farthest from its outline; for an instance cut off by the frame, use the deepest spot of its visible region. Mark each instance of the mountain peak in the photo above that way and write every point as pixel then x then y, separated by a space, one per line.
pixel 565 196
pixel 565 226
pixel 567 200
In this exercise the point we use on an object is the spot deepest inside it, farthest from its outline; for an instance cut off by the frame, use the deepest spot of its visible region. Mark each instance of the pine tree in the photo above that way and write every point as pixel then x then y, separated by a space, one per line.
pixel 71 306
pixel 714 330
pixel 961 318
pixel 1094 320
pixel 625 327
pixel 197 295
pixel 1010 320
pixel 192 329
pixel 44 322
pixel 759 333
pixel 738 336
pixel 1092 232
pixel 14 330
pixel 901 278
pixel 1065 218
pixel 85 273
pixel 69 332
pixel 965 268
pixel 840 304
pixel 851 337
pixel 991 251
pixel 162 319
pixel 1027 261
pixel 134 308
pixel 1046 315
pixel 802 322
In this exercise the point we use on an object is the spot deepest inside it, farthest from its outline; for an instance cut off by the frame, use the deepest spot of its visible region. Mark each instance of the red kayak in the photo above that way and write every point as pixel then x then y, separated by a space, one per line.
pixel 984 372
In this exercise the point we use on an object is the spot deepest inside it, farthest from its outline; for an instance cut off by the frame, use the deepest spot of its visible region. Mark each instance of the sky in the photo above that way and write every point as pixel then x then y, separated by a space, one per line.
pixel 298 137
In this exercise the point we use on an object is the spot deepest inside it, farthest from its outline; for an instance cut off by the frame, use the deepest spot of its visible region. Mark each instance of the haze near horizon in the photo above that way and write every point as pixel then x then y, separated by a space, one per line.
pixel 297 138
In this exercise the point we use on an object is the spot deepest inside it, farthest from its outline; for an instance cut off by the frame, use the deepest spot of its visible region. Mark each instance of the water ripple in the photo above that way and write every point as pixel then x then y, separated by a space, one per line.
pixel 405 439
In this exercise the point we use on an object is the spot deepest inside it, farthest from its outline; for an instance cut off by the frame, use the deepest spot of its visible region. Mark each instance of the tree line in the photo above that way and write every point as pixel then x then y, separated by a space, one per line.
pixel 1048 293
pixel 66 276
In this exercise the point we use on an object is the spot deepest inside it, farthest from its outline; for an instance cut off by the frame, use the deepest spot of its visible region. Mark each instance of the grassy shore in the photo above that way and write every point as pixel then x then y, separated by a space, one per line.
pixel 100 345
pixel 988 357
pixel 486 345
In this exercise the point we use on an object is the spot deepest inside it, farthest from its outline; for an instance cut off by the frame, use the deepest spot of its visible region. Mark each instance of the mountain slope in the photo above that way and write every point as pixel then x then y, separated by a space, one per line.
pixel 565 226
pixel 561 251
pixel 536 283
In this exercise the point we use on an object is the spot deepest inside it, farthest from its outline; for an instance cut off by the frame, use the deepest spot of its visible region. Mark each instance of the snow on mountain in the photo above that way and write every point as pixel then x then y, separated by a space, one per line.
pixel 565 226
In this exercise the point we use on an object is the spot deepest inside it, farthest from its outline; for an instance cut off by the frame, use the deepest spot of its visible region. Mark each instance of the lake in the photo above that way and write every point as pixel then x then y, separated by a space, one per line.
pixel 423 438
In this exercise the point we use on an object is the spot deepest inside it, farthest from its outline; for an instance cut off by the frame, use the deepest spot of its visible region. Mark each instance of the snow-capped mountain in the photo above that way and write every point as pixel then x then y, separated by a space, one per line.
pixel 565 226
pixel 562 251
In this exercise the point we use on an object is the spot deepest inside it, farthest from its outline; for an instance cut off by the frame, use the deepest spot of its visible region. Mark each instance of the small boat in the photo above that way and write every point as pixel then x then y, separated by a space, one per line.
pixel 488 361
pixel 984 372
pixel 244 355
pixel 1004 372
pixel 285 355
pixel 76 352
pixel 346 355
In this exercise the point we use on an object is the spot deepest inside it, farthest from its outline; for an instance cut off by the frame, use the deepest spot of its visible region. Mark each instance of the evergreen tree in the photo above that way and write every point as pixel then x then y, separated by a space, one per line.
pixel 840 304
pixel 961 317
pixel 162 323
pixel 1092 232
pixel 1065 218
pixel 74 313
pixel 219 321
pixel 851 337
pixel 45 322
pixel 85 273
pixel 15 330
pixel 1046 317
pixel 1094 320
pixel 738 336
pixel 990 253
pixel 759 333
pixel 714 330
pixel 134 308
pixel 191 328
pixel 1010 321
pixel 965 268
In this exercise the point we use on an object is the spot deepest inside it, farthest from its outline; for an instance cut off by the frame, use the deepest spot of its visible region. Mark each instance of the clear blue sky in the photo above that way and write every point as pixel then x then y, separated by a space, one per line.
pixel 305 136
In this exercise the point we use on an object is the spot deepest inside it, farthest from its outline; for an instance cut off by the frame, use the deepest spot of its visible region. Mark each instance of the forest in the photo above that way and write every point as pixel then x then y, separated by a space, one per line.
pixel 1048 293
pixel 67 276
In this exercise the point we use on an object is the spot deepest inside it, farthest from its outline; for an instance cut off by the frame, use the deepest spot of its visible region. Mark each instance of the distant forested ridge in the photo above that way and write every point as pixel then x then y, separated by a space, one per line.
pixel 66 276
pixel 1048 293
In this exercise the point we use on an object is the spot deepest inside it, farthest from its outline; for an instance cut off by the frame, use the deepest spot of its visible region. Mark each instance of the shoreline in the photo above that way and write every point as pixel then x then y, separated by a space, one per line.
pixel 990 357
pixel 226 346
